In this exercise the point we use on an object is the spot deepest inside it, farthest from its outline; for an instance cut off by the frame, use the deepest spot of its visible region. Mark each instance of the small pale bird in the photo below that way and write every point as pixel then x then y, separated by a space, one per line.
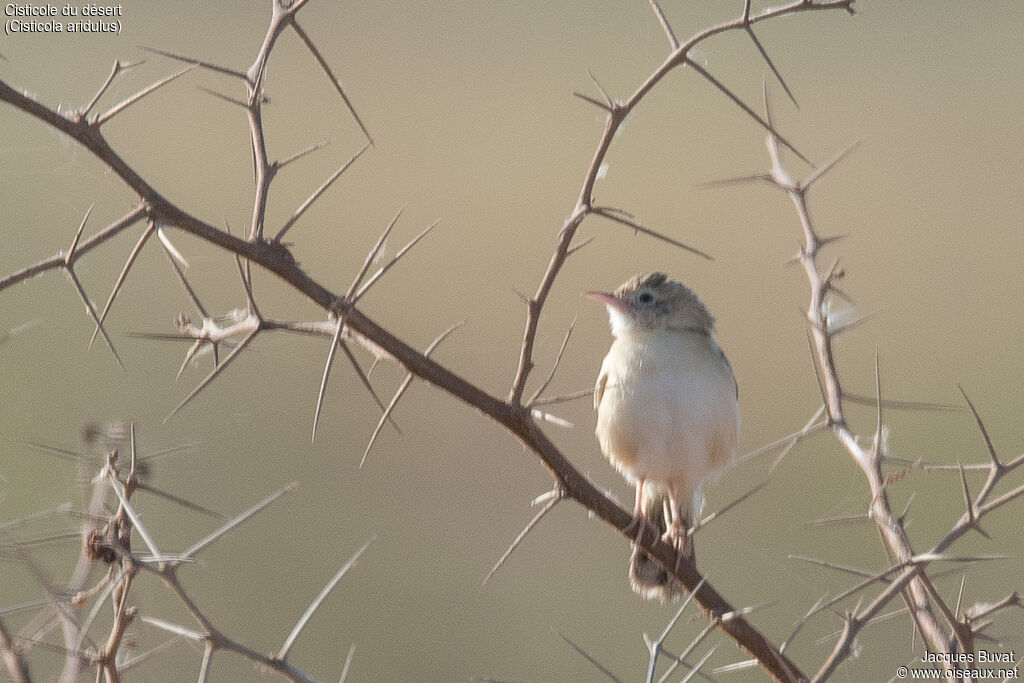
pixel 667 412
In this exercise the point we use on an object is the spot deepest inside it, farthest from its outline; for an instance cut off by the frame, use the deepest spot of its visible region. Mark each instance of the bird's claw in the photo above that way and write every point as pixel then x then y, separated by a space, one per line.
pixel 641 524
pixel 680 539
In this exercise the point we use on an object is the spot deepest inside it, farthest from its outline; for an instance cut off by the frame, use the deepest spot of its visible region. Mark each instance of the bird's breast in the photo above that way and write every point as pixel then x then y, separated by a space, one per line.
pixel 668 407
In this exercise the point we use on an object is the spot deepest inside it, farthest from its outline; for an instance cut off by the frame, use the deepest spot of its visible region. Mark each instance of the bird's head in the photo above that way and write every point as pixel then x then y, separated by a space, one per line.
pixel 653 301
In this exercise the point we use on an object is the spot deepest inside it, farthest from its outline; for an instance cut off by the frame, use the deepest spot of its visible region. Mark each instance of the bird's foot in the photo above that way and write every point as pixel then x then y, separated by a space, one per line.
pixel 679 537
pixel 641 524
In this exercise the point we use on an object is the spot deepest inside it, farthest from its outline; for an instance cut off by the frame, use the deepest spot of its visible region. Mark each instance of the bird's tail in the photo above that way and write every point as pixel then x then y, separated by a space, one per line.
pixel 647 577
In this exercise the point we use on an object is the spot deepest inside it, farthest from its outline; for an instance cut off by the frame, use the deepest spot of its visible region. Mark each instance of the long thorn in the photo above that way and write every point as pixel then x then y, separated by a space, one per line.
pixel 366 382
pixel 316 194
pixel 401 390
pixel 114 111
pixel 94 315
pixel 334 80
pixel 327 373
pixel 234 522
pixel 387 266
pixel 70 256
pixel 771 65
pixel 616 216
pixel 672 40
pixel 558 359
pixel 373 255
pixel 319 600
pixel 522 534
pixel 746 108
pixel 136 250
pixel 216 371
pixel 205 65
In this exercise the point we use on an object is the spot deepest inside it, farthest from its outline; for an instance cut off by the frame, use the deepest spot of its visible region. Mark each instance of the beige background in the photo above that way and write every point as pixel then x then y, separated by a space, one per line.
pixel 475 125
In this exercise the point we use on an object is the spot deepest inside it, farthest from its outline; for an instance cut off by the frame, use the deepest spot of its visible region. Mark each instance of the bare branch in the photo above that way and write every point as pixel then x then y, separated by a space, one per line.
pixel 984 432
pixel 114 71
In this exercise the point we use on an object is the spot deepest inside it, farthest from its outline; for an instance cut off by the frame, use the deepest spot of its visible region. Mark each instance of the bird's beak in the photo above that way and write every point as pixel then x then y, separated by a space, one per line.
pixel 608 299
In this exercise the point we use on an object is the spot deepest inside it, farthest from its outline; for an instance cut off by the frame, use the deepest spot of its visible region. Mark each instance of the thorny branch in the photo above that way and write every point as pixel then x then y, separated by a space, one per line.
pixel 347 322
pixel 275 257
pixel 932 618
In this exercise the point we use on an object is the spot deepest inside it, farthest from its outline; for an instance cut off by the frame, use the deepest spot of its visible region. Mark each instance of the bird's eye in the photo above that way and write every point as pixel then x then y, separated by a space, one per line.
pixel 645 297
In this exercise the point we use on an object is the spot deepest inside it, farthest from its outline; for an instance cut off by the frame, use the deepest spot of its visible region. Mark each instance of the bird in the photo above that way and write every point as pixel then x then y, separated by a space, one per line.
pixel 668 414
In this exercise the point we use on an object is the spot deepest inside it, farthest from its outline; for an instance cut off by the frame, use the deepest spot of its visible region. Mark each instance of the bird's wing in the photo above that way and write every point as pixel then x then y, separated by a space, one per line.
pixel 602 380
pixel 721 354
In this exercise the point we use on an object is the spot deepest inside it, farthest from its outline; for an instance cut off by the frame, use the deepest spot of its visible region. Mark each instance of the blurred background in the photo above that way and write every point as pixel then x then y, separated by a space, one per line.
pixel 471 110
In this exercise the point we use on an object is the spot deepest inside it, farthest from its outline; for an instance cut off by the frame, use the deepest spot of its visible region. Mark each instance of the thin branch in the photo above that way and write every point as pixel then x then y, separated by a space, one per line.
pixel 655 647
pixel 114 71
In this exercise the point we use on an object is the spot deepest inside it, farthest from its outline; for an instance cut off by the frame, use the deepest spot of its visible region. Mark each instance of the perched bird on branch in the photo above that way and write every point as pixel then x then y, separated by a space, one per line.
pixel 667 412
